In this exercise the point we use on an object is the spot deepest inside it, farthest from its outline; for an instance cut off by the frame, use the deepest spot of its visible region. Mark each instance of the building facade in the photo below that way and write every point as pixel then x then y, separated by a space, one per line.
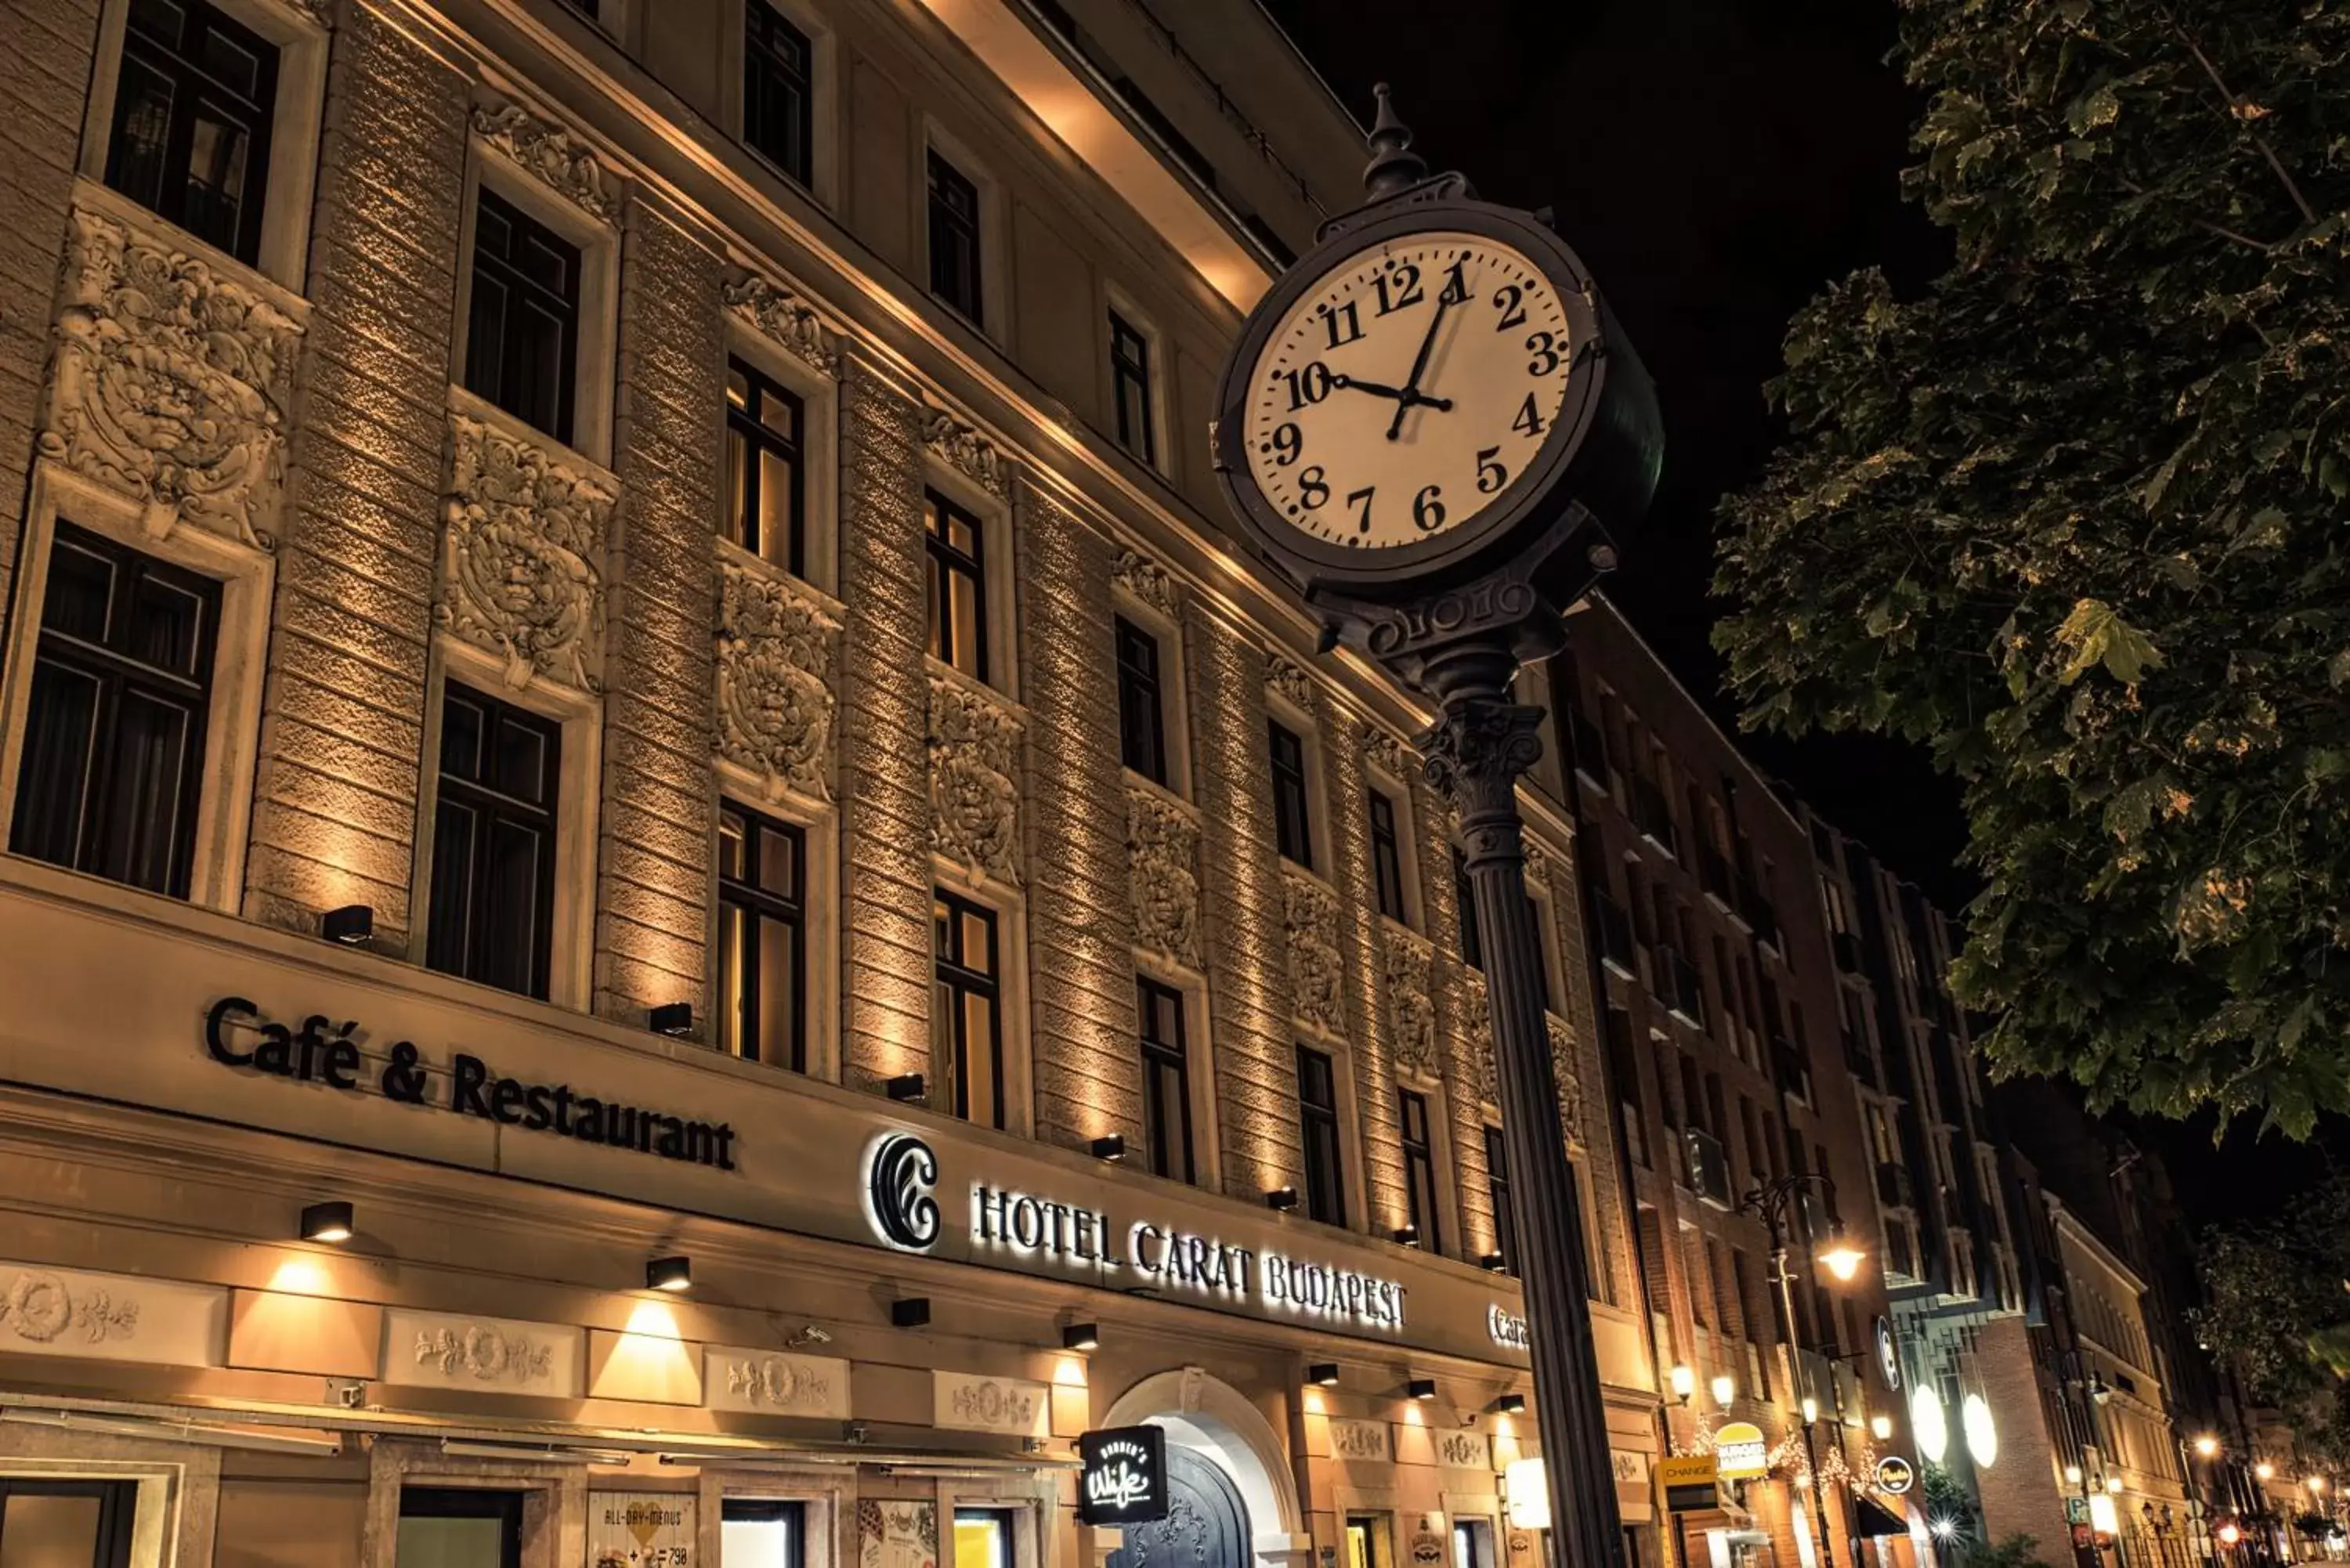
pixel 669 889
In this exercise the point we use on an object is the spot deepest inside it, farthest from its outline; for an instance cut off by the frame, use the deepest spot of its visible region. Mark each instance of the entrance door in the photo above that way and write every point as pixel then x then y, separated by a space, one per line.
pixel 65 1523
pixel 1207 1525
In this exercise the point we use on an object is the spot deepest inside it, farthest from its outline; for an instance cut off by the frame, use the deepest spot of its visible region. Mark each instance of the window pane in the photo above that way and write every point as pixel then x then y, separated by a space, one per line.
pixel 978 941
pixel 979 1057
pixel 81 587
pixel 141 814
pixel 779 992
pixel 521 763
pixel 734 1026
pixel 777 485
pixel 216 176
pixel 733 846
pixel 54 778
pixel 738 488
pixel 449 936
pixel 461 738
pixel 165 626
pixel 50 1532
pixel 983 1539
pixel 779 870
pixel 451 1543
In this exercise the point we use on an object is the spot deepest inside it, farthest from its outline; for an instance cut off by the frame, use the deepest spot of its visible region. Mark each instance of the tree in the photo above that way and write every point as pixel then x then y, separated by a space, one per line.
pixel 2075 521
pixel 2275 1308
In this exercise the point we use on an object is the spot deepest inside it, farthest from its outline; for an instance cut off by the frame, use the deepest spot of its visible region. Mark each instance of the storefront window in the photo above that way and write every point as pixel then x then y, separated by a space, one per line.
pixel 65 1523
pixel 459 1527
pixel 982 1538
pixel 758 1532
pixel 1473 1543
pixel 1367 1542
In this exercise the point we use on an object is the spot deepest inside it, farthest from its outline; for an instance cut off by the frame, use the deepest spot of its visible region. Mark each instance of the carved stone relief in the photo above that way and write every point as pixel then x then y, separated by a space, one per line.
pixel 1464 1451
pixel 1570 1079
pixel 970 1404
pixel 775 650
pixel 787 320
pixel 450 1350
pixel 1317 973
pixel 1386 752
pixel 1409 1004
pixel 1477 1024
pixel 1149 582
pixel 965 448
pixel 1162 848
pixel 974 766
pixel 42 1307
pixel 1287 679
pixel 526 527
pixel 562 161
pixel 170 383
pixel 769 1381
pixel 1352 1439
pixel 486 1354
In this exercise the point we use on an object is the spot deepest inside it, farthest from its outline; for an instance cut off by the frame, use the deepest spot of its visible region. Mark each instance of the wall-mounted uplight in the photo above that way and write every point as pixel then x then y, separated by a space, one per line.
pixel 907 1088
pixel 1493 1262
pixel 326 1222
pixel 669 1274
pixel 671 1018
pixel 1080 1336
pixel 1511 1404
pixel 1283 1198
pixel 1421 1389
pixel 1109 1146
pixel 911 1311
pixel 350 925
pixel 1406 1235
pixel 1323 1374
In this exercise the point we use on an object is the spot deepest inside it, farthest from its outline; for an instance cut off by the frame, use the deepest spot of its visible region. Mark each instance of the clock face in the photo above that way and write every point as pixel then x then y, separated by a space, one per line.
pixel 1404 390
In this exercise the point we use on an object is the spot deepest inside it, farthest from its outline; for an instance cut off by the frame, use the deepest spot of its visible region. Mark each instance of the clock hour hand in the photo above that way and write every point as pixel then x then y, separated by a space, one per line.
pixel 1380 388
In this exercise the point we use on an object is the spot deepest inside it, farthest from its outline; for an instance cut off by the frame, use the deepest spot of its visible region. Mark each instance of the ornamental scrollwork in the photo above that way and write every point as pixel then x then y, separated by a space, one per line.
pixel 1162 851
pixel 525 529
pixel 562 161
pixel 1150 583
pixel 962 447
pixel 1473 754
pixel 1569 1076
pixel 1386 752
pixel 1477 1026
pixel 974 743
pixel 993 1404
pixel 1317 973
pixel 170 383
pixel 40 1308
pixel 775 1381
pixel 787 320
pixel 1409 1003
pixel 775 701
pixel 485 1354
pixel 1287 679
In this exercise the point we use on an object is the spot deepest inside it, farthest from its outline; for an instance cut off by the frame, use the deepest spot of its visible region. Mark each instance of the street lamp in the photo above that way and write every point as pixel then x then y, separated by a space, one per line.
pixel 2264 1471
pixel 1880 1426
pixel 1843 1258
pixel 1775 1203
pixel 1683 1380
pixel 1725 1389
pixel 2207 1446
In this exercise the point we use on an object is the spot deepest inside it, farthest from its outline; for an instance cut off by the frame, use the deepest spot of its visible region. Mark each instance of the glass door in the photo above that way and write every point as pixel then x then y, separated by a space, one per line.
pixel 65 1524
pixel 458 1527
pixel 757 1532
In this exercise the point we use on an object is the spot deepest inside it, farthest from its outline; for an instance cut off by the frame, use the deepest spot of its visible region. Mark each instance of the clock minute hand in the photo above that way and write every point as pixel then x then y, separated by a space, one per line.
pixel 1411 394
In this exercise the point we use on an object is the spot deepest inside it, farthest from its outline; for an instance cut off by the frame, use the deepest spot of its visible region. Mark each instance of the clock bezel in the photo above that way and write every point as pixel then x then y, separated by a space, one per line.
pixel 1524 506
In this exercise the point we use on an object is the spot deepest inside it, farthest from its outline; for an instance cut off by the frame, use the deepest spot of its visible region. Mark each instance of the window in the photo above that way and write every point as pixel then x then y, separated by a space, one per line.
pixel 1386 856
pixel 1293 826
pixel 957 586
pixel 955 238
pixel 765 426
pixel 492 902
pixel 982 1538
pixel 757 1532
pixel 1473 1543
pixel 1141 715
pixel 762 938
pixel 114 734
pixel 1367 1543
pixel 1419 1170
pixel 779 90
pixel 1317 1116
pixel 68 1523
pixel 1505 1213
pixel 192 121
pixel 1472 939
pixel 1166 1081
pixel 521 335
pixel 459 1527
pixel 1129 371
pixel 966 1012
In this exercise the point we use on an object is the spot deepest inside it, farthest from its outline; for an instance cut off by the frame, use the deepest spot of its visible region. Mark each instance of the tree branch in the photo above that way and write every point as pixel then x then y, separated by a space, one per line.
pixel 2239 237
pixel 2308 213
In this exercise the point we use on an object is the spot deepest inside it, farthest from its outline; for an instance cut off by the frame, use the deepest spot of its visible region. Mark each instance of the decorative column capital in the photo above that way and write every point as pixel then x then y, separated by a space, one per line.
pixel 1474 754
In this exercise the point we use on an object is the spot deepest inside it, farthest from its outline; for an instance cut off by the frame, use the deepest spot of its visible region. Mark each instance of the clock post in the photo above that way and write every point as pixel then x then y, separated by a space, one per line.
pixel 1452 608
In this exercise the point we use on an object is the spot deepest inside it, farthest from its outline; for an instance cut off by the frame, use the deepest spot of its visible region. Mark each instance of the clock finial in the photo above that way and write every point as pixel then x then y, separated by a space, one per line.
pixel 1394 166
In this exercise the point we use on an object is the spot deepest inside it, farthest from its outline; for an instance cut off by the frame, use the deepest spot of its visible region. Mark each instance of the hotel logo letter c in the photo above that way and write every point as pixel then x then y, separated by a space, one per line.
pixel 900 1173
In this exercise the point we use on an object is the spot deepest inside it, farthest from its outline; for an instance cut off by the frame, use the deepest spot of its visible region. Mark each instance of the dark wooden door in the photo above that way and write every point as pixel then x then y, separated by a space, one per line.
pixel 1207 1525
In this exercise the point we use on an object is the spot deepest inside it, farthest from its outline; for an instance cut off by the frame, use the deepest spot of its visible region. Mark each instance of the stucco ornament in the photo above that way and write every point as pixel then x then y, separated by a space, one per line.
pixel 1386 752
pixel 561 161
pixel 1316 974
pixel 775 701
pixel 1162 850
pixel 1149 582
pixel 486 1353
pixel 41 1307
pixel 519 572
pixel 787 320
pixel 170 383
pixel 1411 1008
pixel 961 444
pixel 995 1404
pixel 1477 1027
pixel 777 1382
pixel 1570 1078
pixel 1288 679
pixel 974 759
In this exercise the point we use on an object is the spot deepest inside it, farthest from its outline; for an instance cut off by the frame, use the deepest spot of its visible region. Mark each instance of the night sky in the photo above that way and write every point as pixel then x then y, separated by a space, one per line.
pixel 1715 163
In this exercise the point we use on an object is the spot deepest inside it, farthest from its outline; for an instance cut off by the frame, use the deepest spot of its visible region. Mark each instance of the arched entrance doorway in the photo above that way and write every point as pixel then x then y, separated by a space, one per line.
pixel 1207 1525
pixel 1209 1422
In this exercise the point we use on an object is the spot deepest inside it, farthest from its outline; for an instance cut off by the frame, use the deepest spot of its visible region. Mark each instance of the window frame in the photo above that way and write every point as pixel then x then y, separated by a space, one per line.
pixel 191 86
pixel 1389 893
pixel 804 174
pixel 759 437
pixel 937 160
pixel 1422 1189
pixel 1174 1056
pixel 1501 1197
pixel 506 1505
pixel 991 984
pixel 1300 853
pixel 1125 631
pixel 117 1509
pixel 941 556
pixel 1143 373
pixel 760 905
pixel 493 806
pixel 1330 1117
pixel 524 226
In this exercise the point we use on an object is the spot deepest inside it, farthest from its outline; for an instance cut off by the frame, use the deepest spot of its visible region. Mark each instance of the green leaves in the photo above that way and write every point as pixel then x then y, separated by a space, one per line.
pixel 2077 519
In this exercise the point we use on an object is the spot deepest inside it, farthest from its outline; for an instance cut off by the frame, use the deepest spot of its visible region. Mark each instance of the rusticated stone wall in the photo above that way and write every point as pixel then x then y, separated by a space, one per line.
pixel 654 864
pixel 333 815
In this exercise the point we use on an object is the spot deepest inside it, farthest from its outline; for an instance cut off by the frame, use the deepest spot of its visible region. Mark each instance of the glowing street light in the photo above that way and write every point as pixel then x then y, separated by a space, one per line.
pixel 2113 1483
pixel 1880 1426
pixel 2316 1484
pixel 1683 1380
pixel 1725 1389
pixel 2072 1475
pixel 2207 1446
pixel 1842 1259
pixel 2264 1471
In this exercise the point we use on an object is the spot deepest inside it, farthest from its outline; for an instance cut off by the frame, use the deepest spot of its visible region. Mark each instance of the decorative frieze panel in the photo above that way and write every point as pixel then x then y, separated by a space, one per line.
pixel 562 161
pixel 1317 975
pixel 1162 850
pixel 772 1382
pixel 1150 583
pixel 1387 753
pixel 170 383
pixel 974 770
pixel 963 1402
pixel 111 1317
pixel 1366 1441
pixel 1477 1027
pixel 1411 1008
pixel 521 570
pixel 1464 1451
pixel 777 657
pixel 961 446
pixel 1287 679
pixel 487 1355
pixel 1569 1076
pixel 789 321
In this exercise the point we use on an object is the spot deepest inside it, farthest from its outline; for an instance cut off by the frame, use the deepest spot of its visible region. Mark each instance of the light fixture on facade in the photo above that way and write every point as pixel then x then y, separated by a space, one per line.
pixel 1841 1258
pixel 1323 1374
pixel 2316 1484
pixel 1283 1198
pixel 1421 1387
pixel 2264 1471
pixel 2228 1533
pixel 2207 1446
pixel 1109 1146
pixel 1725 1389
pixel 350 925
pixel 671 1018
pixel 1982 1432
pixel 1682 1380
pixel 907 1088
pixel 326 1222
pixel 1406 1235
pixel 1526 1492
pixel 1880 1426
pixel 2072 1475
pixel 2113 1483
pixel 1811 1409
pixel 1511 1404
pixel 669 1274
pixel 1928 1424
pixel 2102 1517
pixel 1495 1262
pixel 1080 1336
pixel 911 1311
